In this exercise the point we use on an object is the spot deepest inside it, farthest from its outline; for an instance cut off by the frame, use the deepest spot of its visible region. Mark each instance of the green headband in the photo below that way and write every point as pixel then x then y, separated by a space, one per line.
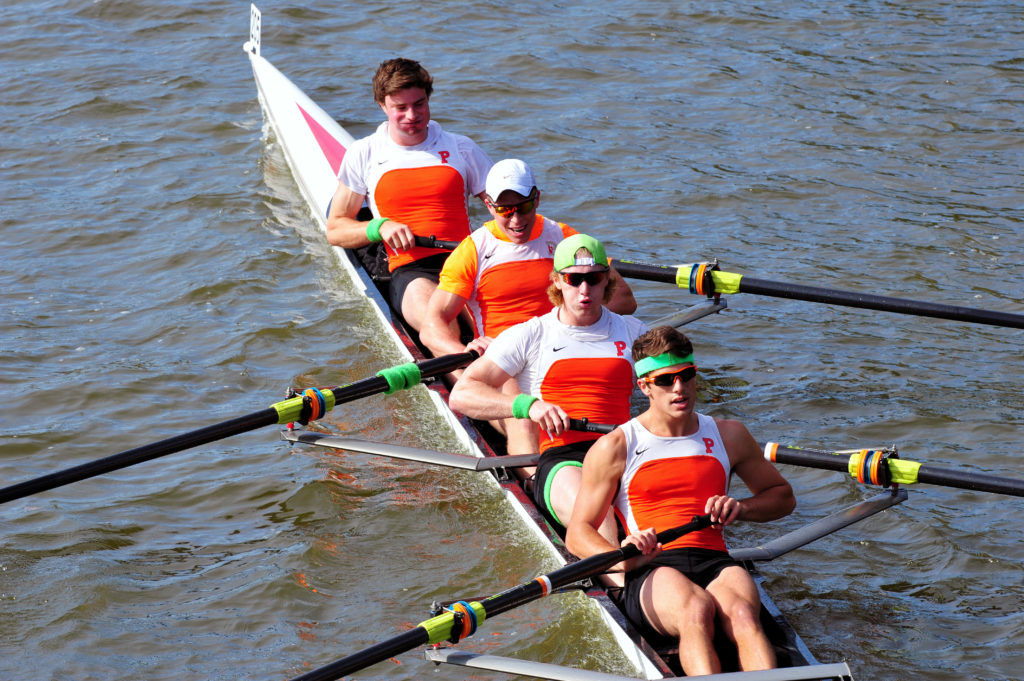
pixel 663 361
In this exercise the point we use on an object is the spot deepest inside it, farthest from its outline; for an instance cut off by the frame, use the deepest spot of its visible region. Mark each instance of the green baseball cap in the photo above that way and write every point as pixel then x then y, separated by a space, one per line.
pixel 565 253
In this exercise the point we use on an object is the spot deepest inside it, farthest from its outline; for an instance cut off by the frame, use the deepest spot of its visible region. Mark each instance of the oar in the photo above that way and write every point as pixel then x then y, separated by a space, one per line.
pixel 313 404
pixel 463 461
pixel 704 279
pixel 882 467
pixel 464 618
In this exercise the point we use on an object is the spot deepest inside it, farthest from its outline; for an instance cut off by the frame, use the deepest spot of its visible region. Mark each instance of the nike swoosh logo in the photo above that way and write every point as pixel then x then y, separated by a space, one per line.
pixel 557 349
pixel 486 257
pixel 640 452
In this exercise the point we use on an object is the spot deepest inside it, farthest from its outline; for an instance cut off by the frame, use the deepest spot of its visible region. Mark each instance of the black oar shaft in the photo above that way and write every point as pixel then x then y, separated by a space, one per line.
pixel 978 482
pixel 818 294
pixel 588 567
pixel 499 603
pixel 868 301
pixel 370 656
pixel 811 458
pixel 914 472
pixel 131 457
pixel 242 424
pixel 647 272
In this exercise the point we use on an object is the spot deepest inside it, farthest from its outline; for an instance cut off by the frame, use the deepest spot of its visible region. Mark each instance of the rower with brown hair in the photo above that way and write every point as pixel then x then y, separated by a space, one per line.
pixel 659 470
pixel 416 178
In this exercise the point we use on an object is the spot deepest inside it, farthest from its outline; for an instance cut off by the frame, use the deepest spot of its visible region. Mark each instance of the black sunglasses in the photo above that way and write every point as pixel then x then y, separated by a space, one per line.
pixel 576 279
pixel 669 380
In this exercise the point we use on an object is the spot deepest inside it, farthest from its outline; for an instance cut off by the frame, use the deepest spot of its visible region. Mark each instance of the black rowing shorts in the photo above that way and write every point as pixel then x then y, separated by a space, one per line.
pixel 428 267
pixel 700 566
pixel 550 462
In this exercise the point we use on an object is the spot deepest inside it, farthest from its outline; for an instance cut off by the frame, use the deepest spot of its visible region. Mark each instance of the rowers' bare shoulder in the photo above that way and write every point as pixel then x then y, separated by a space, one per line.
pixel 608 454
pixel 738 441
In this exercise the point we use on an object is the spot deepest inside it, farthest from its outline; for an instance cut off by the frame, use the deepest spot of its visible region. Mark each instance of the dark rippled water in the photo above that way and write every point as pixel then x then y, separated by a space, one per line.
pixel 161 273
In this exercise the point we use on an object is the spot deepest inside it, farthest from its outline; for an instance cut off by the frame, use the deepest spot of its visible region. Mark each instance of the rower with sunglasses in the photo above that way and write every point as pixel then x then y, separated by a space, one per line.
pixel 659 470
pixel 501 273
pixel 572 362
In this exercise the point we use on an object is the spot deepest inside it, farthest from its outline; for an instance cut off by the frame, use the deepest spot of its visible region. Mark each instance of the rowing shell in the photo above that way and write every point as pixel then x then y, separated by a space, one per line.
pixel 313 144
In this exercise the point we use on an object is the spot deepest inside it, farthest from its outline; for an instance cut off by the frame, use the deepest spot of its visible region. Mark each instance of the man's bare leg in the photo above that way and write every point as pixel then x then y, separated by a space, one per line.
pixel 739 608
pixel 679 608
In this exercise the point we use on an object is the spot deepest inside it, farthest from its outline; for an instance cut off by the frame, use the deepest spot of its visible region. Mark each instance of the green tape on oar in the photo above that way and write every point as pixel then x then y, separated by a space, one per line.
pixel 401 377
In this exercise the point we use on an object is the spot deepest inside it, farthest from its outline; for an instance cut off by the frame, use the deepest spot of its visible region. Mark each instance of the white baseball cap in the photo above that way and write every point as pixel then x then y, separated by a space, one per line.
pixel 510 173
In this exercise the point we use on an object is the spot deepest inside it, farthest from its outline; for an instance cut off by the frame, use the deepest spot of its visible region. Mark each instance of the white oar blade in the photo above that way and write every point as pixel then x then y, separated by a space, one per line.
pixel 471 463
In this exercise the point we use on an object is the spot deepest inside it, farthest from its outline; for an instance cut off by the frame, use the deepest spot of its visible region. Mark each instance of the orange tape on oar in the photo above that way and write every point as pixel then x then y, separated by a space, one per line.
pixel 465 621
pixel 871 466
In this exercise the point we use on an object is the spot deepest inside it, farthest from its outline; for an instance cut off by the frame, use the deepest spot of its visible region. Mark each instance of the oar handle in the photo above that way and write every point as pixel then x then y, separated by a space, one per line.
pixel 585 426
pixel 433 242
pixel 588 567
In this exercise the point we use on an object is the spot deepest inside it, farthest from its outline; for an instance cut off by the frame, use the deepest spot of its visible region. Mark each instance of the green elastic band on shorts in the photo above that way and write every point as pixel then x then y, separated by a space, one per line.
pixel 521 405
pixel 547 486
pixel 662 361
pixel 373 229
pixel 401 377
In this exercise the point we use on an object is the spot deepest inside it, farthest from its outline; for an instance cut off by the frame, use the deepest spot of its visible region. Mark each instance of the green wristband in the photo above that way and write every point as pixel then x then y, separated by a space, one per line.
pixel 521 405
pixel 373 229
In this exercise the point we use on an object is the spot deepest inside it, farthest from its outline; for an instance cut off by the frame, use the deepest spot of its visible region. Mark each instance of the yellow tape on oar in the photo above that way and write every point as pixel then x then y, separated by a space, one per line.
pixel 903 472
pixel 695 279
pixel 461 621
pixel 874 467
pixel 321 401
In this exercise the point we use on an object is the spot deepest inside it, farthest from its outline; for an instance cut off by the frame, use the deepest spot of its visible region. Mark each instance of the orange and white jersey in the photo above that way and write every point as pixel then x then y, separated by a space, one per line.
pixel 586 370
pixel 668 480
pixel 424 186
pixel 504 283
